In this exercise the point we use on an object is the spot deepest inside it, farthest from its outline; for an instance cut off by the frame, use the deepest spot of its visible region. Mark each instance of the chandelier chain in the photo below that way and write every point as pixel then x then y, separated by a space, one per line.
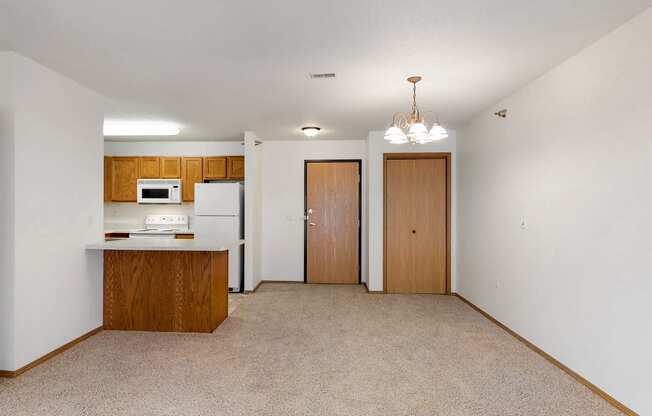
pixel 415 109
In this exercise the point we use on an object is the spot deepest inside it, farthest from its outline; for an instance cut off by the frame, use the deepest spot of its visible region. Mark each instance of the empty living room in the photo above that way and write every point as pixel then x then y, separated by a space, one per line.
pixel 301 207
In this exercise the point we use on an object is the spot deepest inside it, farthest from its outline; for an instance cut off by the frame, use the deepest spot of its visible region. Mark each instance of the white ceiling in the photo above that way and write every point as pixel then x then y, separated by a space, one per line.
pixel 222 67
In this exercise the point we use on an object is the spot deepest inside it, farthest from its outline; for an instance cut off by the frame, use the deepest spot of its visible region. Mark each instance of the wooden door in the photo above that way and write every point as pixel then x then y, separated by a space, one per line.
pixel 191 173
pixel 125 176
pixel 416 225
pixel 235 166
pixel 215 167
pixel 332 227
pixel 108 178
pixel 150 168
pixel 170 167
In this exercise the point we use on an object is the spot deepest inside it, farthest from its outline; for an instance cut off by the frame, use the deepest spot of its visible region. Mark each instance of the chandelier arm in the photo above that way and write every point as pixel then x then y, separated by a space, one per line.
pixel 435 116
pixel 400 120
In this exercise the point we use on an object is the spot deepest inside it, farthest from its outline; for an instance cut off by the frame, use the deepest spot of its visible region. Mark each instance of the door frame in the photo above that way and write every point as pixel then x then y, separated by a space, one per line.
pixel 305 209
pixel 434 155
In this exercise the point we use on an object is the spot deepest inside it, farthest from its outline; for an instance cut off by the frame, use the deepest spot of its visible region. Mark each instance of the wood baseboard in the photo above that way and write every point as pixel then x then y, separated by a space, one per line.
pixel 595 389
pixel 11 374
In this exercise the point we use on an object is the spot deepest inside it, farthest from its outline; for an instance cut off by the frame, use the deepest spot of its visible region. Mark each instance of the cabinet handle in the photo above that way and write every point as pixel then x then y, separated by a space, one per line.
pixel 414 231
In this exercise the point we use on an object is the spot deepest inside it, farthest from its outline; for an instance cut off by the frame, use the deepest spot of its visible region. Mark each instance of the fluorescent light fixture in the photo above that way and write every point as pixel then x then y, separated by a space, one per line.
pixel 140 128
pixel 310 131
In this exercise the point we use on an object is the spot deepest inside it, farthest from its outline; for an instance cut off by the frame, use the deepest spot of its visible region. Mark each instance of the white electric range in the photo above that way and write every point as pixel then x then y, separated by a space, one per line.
pixel 162 226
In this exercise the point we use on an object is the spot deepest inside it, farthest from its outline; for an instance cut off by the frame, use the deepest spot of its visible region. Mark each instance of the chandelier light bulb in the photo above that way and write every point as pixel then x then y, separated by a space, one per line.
pixel 437 132
pixel 395 134
pixel 400 140
pixel 418 131
pixel 425 140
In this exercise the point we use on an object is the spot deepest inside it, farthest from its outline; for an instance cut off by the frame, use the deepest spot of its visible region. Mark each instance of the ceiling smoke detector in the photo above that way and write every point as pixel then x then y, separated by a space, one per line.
pixel 322 75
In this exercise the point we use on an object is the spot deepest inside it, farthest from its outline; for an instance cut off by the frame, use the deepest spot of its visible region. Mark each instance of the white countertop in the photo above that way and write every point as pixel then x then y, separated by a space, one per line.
pixel 162 244
pixel 132 229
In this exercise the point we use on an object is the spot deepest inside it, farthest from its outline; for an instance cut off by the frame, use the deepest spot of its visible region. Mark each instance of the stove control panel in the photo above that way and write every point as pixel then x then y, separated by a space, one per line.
pixel 157 221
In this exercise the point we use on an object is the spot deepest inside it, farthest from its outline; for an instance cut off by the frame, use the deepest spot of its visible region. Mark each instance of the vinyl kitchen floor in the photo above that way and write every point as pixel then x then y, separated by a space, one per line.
pixel 294 349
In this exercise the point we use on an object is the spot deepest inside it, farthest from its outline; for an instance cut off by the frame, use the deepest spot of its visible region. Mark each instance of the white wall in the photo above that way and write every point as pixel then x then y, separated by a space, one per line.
pixel 282 172
pixel 377 148
pixel 573 158
pixel 58 210
pixel 173 148
pixel 7 178
pixel 130 215
pixel 253 212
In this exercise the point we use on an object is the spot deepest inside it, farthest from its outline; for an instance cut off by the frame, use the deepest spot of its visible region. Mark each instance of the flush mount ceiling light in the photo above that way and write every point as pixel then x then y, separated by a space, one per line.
pixel 417 132
pixel 310 131
pixel 140 128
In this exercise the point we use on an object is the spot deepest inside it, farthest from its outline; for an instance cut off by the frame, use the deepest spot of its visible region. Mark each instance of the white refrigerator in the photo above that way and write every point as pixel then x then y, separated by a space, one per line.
pixel 219 218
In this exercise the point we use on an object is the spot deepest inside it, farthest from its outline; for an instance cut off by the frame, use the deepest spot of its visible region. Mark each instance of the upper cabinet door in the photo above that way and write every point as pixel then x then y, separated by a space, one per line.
pixel 191 173
pixel 125 175
pixel 170 167
pixel 108 177
pixel 215 167
pixel 236 167
pixel 150 168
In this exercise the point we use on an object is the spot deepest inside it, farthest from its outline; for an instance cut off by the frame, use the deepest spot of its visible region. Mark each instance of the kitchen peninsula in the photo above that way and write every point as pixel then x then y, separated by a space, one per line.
pixel 165 285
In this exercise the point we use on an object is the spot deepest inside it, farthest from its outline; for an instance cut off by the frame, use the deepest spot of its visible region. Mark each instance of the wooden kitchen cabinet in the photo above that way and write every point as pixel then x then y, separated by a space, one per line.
pixel 170 167
pixel 191 173
pixel 124 175
pixel 108 177
pixel 235 167
pixel 121 173
pixel 150 168
pixel 215 167
pixel 166 291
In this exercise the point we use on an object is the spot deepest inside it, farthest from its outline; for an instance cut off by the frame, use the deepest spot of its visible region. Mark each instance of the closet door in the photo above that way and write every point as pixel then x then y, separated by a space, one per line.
pixel 415 225
pixel 401 221
pixel 430 237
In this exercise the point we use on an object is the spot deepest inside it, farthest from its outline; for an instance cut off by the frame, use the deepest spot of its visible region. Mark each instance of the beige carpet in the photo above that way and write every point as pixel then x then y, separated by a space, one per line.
pixel 293 349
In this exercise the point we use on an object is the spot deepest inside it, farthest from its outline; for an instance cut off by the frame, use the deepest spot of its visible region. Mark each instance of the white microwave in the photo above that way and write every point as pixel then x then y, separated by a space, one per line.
pixel 159 191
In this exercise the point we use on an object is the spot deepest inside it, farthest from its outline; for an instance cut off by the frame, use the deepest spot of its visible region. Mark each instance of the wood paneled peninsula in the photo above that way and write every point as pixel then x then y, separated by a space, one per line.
pixel 165 285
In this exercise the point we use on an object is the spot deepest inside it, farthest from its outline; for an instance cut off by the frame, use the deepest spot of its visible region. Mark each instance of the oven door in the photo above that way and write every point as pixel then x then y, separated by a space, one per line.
pixel 154 194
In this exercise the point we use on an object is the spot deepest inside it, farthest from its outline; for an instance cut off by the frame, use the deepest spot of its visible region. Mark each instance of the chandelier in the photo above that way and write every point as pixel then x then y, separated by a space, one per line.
pixel 417 132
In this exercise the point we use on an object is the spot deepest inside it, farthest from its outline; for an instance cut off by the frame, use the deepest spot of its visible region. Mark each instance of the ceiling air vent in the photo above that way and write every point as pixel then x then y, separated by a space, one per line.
pixel 323 75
